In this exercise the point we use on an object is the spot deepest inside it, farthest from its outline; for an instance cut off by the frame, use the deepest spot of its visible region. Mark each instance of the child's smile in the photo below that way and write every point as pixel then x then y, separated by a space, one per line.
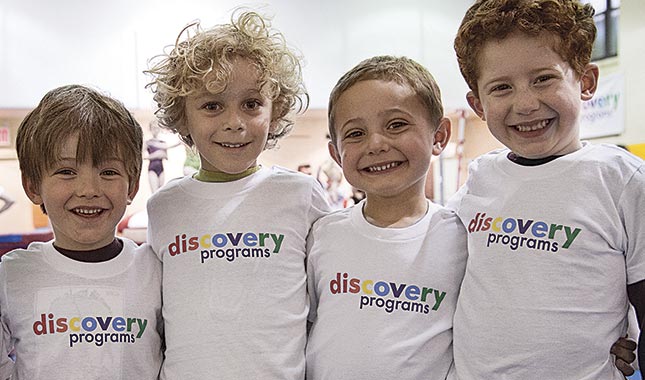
pixel 382 167
pixel 87 212
pixel 529 127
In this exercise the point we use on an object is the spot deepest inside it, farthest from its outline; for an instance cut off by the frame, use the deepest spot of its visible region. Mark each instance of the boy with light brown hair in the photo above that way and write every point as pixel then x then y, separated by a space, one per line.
pixel 384 274
pixel 86 305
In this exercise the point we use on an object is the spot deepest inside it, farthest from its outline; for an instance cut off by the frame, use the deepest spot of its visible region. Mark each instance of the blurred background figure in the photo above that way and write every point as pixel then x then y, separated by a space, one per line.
pixel 157 150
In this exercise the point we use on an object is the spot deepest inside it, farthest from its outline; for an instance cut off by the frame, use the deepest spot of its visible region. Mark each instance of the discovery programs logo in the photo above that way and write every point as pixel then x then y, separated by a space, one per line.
pixel 388 295
pixel 518 233
pixel 96 330
pixel 228 246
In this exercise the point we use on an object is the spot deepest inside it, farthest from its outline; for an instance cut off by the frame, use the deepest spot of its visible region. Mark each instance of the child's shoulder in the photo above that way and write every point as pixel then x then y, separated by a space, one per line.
pixel 611 162
pixel 33 251
pixel 291 180
pixel 144 253
pixel 285 174
pixel 337 216
pixel 445 218
pixel 145 262
pixel 611 153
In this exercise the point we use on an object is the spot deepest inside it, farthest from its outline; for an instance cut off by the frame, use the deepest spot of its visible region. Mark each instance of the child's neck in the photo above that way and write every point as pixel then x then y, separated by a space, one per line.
pixel 213 176
pixel 392 213
pixel 523 161
pixel 99 255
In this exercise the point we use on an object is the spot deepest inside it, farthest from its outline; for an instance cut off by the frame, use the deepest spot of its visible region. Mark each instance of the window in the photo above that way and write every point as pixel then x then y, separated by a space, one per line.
pixel 606 19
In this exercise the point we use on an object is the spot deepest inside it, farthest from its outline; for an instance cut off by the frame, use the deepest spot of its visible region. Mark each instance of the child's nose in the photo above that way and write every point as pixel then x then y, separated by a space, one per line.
pixel 88 186
pixel 526 102
pixel 377 143
pixel 233 122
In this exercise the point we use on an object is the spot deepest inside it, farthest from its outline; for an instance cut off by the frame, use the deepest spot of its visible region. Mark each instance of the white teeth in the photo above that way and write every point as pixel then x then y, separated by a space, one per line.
pixel 534 127
pixel 380 168
pixel 232 145
pixel 84 211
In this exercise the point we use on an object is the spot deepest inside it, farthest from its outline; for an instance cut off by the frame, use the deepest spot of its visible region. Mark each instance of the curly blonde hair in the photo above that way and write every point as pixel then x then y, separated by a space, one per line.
pixel 569 21
pixel 203 58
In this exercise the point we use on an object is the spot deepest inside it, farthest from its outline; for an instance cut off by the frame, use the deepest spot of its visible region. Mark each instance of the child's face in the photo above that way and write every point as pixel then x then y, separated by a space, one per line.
pixel 230 129
pixel 385 138
pixel 529 96
pixel 84 203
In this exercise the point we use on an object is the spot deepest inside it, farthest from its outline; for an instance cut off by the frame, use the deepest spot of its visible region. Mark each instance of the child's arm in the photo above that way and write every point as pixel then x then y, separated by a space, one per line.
pixel 6 364
pixel 636 294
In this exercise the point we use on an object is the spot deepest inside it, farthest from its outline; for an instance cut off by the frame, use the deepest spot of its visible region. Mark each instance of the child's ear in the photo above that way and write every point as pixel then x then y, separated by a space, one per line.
pixel 441 136
pixel 589 81
pixel 475 104
pixel 32 191
pixel 133 192
pixel 333 152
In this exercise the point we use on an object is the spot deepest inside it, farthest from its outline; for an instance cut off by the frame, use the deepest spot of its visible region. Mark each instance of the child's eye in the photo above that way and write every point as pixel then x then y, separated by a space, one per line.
pixel 353 134
pixel 211 106
pixel 500 87
pixel 397 125
pixel 252 104
pixel 64 172
pixel 109 172
pixel 543 78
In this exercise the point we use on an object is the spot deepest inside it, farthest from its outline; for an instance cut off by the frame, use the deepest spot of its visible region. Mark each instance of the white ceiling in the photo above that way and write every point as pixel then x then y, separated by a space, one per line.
pixel 107 44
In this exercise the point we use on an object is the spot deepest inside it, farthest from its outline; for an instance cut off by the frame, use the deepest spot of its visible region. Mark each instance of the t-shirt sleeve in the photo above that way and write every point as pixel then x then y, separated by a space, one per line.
pixel 633 215
pixel 319 204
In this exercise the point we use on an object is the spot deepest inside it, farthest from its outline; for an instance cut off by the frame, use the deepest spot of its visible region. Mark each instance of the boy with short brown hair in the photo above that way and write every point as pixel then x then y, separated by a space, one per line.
pixel 85 305
pixel 384 274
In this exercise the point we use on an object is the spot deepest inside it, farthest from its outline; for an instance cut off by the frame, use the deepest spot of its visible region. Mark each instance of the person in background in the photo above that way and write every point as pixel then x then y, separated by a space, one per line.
pixel 157 150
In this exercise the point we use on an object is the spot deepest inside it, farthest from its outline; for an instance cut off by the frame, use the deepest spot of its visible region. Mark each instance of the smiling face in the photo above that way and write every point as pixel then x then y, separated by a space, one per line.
pixel 529 96
pixel 84 202
pixel 230 129
pixel 385 138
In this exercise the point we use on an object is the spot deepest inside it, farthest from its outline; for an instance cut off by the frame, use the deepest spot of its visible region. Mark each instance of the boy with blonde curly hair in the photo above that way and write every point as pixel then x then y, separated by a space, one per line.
pixel 232 237
pixel 555 225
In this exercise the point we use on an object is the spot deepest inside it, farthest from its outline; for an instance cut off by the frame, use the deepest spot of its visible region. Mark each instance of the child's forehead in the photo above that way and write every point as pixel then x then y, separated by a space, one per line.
pixel 365 90
pixel 518 39
pixel 73 147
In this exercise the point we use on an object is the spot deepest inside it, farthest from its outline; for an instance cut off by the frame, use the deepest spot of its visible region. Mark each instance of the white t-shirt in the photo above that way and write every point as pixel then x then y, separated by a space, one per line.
pixel 234 279
pixel 72 320
pixel 382 299
pixel 551 251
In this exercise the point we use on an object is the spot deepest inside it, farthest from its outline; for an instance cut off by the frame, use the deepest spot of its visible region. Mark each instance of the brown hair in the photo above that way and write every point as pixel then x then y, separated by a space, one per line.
pixel 401 70
pixel 569 21
pixel 104 126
